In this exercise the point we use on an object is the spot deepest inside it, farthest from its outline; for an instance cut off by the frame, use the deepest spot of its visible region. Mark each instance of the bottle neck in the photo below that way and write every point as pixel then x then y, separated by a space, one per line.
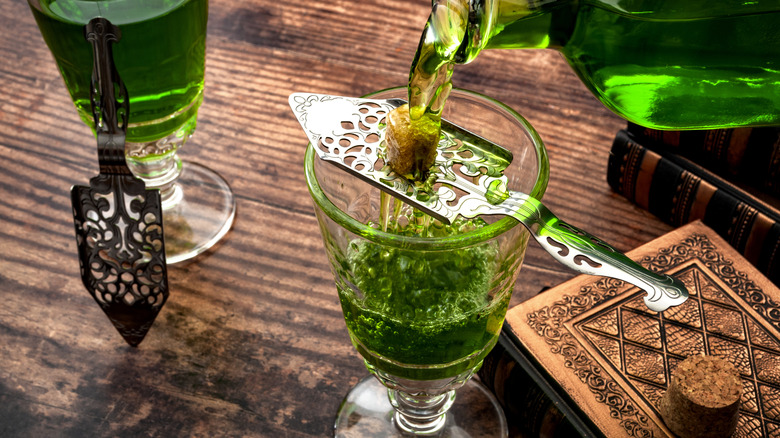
pixel 480 22
pixel 541 24
pixel 512 24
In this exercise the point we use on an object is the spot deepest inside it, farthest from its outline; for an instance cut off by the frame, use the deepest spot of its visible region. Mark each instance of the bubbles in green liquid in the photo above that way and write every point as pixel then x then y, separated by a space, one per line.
pixel 415 307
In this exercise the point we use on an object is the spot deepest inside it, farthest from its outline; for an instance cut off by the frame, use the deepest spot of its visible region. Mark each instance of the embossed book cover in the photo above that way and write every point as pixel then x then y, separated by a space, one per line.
pixel 610 358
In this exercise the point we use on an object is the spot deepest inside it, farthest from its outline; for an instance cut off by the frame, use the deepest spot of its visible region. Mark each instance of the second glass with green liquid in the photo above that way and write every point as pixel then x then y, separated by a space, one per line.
pixel 160 57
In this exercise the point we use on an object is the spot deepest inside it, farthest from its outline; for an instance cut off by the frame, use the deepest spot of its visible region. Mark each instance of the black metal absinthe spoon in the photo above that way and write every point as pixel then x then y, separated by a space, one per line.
pixel 119 229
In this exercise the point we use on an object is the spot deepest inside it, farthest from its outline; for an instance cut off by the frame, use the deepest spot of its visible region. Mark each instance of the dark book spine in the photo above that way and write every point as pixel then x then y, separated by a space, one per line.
pixel 529 412
pixel 534 405
pixel 679 191
pixel 745 155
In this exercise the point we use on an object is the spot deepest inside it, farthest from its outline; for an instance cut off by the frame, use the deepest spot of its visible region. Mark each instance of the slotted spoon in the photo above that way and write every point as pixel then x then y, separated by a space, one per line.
pixel 349 133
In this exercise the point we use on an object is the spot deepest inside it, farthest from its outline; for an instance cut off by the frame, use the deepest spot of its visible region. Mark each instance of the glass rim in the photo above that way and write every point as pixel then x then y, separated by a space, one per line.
pixel 430 243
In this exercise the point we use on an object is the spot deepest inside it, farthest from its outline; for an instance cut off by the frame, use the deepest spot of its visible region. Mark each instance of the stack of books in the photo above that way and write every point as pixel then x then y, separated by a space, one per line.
pixel 727 178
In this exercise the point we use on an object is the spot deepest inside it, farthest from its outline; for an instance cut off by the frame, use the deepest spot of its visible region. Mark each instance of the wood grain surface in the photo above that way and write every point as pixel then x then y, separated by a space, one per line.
pixel 251 341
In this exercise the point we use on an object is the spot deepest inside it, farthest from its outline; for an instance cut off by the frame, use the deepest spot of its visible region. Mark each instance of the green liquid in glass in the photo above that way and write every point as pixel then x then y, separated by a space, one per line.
pixel 423 315
pixel 160 57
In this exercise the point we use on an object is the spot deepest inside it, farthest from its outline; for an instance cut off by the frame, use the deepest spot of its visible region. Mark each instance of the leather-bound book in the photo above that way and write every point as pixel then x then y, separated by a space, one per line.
pixel 588 358
pixel 747 155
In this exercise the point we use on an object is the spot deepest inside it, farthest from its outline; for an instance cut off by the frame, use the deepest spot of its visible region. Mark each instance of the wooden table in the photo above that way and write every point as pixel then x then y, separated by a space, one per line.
pixel 251 341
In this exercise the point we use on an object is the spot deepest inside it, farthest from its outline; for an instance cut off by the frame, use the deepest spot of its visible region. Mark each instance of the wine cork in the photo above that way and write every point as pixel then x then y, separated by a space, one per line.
pixel 411 146
pixel 703 398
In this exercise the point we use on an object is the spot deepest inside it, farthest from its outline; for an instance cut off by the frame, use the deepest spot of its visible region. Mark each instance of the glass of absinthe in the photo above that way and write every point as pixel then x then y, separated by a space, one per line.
pixel 160 57
pixel 424 301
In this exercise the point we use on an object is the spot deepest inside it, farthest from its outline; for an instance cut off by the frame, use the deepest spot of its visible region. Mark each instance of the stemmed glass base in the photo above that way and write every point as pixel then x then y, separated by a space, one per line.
pixel 197 212
pixel 367 412
pixel 198 204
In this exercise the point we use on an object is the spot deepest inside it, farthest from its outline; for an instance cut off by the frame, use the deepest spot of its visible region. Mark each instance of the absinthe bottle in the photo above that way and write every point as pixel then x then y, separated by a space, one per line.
pixel 664 64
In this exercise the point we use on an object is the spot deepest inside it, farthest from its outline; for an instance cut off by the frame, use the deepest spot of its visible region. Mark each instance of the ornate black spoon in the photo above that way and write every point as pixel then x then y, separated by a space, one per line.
pixel 119 230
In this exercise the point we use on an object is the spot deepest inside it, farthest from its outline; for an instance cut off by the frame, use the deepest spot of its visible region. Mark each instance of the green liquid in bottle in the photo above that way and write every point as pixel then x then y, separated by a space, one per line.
pixel 671 73
pixel 160 57
pixel 677 65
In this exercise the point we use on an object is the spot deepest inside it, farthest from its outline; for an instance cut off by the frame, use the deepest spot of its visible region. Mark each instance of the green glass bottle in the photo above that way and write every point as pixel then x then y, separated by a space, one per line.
pixel 693 64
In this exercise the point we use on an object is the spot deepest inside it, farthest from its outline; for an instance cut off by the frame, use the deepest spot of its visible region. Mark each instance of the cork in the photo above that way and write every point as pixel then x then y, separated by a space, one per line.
pixel 703 398
pixel 411 146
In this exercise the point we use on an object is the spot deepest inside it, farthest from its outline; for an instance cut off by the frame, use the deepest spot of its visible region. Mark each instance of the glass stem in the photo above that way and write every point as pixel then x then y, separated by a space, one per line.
pixel 159 173
pixel 420 414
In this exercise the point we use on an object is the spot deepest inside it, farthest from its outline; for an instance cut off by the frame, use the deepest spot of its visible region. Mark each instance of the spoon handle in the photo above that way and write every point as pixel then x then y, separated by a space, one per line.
pixel 108 96
pixel 587 254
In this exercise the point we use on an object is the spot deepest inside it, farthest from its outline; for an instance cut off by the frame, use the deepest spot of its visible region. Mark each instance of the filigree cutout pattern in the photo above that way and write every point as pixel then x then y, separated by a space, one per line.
pixel 349 132
pixel 121 250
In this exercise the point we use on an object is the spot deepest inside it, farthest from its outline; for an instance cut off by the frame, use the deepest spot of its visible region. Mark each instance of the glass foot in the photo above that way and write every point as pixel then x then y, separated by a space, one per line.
pixel 366 412
pixel 197 214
